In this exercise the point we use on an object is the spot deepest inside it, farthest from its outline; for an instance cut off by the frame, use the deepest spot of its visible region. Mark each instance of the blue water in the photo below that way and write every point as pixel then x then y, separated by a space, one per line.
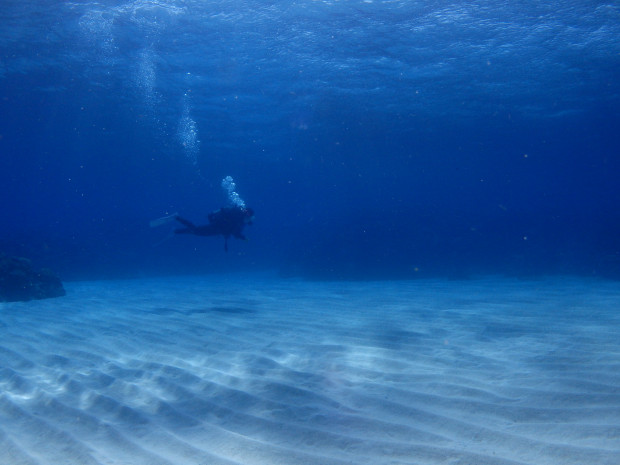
pixel 372 138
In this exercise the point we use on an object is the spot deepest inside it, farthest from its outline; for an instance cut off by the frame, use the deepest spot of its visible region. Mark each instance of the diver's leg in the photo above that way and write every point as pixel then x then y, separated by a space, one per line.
pixel 185 222
pixel 206 230
pixel 190 229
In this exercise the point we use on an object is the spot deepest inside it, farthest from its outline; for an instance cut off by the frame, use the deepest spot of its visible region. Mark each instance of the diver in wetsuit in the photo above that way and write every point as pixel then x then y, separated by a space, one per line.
pixel 227 221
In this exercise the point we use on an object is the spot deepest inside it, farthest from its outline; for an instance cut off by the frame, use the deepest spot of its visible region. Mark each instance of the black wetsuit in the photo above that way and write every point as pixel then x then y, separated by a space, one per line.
pixel 227 221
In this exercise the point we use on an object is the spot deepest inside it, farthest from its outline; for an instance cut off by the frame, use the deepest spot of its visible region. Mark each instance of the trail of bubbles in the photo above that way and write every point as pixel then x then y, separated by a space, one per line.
pixel 100 24
pixel 187 132
pixel 145 77
pixel 97 25
pixel 230 188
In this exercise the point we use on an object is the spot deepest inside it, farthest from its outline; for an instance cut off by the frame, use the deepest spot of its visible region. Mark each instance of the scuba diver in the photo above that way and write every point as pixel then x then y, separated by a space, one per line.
pixel 227 221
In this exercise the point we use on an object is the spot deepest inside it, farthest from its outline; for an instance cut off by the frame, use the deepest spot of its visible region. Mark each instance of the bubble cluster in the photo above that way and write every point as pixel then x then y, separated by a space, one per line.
pixel 97 28
pixel 145 76
pixel 230 188
pixel 187 133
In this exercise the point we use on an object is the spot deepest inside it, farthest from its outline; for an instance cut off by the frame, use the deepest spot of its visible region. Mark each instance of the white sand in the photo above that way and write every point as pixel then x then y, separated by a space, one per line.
pixel 253 370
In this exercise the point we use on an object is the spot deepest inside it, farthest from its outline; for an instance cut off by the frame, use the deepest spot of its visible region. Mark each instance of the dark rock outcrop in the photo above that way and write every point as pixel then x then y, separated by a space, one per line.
pixel 20 281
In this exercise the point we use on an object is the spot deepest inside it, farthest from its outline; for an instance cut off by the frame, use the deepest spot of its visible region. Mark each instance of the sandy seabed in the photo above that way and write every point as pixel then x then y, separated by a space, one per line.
pixel 257 370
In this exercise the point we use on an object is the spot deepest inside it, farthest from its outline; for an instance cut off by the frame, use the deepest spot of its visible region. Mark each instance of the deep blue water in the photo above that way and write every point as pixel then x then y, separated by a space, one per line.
pixel 372 138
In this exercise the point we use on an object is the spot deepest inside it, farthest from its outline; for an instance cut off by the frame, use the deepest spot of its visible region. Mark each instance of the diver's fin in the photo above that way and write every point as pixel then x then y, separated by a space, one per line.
pixel 163 220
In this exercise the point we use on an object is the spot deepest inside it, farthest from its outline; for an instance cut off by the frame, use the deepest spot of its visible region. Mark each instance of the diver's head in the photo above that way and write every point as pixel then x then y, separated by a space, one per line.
pixel 248 215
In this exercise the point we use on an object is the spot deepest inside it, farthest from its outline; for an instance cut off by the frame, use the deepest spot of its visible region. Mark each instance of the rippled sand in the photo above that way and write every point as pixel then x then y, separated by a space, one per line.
pixel 258 370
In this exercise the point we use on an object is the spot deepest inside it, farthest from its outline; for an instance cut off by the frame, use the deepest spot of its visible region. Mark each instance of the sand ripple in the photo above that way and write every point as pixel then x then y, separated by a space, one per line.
pixel 263 371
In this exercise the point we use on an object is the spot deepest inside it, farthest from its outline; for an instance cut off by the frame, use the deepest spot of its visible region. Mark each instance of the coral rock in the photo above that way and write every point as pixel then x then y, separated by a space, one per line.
pixel 20 281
